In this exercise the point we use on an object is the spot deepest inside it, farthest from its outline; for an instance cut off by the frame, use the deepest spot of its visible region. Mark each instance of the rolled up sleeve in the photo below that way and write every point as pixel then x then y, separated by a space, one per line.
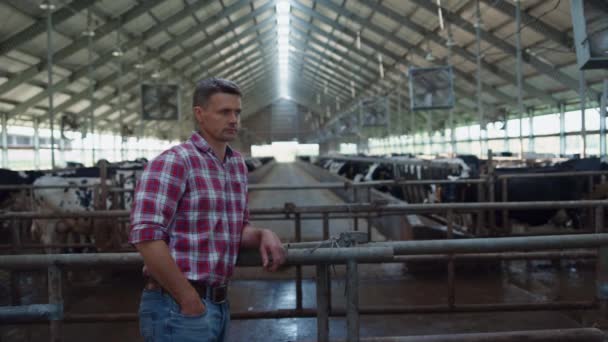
pixel 156 198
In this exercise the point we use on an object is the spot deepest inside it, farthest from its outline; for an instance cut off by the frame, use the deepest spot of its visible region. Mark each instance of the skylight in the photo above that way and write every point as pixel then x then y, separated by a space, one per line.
pixel 283 46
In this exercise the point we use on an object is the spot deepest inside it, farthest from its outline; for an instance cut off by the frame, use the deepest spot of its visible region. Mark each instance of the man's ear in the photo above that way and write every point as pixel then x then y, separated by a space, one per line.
pixel 198 113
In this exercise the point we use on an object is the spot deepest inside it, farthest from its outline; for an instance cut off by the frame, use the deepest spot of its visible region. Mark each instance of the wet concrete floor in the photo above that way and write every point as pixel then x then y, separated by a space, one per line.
pixel 380 284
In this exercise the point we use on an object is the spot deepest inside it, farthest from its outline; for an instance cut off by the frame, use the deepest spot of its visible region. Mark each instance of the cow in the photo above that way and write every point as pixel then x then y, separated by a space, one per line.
pixel 571 188
pixel 75 194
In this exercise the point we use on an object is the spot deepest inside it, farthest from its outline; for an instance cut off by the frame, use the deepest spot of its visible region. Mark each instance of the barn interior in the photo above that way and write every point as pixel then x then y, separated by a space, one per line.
pixel 435 168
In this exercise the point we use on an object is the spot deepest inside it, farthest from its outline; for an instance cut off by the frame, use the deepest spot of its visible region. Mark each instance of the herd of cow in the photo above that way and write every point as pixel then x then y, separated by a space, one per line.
pixel 570 188
pixel 78 190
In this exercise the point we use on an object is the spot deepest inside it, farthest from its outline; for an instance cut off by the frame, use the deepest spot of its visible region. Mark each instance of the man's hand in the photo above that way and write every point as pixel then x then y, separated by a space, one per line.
pixel 192 305
pixel 270 244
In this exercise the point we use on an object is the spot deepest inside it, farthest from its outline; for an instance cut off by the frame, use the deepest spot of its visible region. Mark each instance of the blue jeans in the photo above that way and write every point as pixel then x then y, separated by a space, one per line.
pixel 160 320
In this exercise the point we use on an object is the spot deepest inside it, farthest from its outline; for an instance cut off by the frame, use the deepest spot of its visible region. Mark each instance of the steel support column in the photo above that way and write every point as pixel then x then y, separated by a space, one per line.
pixel 562 129
pixel 4 140
pixel 49 57
pixel 583 99
pixel 479 84
pixel 37 143
pixel 90 35
pixel 519 74
pixel 531 130
pixel 603 103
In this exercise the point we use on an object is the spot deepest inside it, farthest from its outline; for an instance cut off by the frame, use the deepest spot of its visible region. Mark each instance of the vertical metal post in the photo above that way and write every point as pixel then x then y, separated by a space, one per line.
pixel 369 215
pixel 50 87
pixel 602 280
pixel 519 74
pixel 491 192
pixel 480 214
pixel 450 43
pixel 599 219
pixel 505 212
pixel 413 130
pixel 583 98
pixel 451 273
pixel 36 144
pixel 531 147
pixel 55 298
pixel 429 128
pixel 325 226
pixel 603 103
pixel 479 83
pixel 352 302
pixel 562 129
pixel 323 303
pixel 90 71
pixel 5 141
pixel 298 223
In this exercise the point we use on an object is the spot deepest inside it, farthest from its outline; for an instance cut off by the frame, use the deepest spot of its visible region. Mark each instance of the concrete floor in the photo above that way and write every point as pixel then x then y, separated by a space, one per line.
pixel 380 284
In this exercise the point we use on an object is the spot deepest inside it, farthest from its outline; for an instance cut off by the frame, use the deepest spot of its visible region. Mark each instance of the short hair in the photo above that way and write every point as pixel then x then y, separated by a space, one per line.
pixel 207 87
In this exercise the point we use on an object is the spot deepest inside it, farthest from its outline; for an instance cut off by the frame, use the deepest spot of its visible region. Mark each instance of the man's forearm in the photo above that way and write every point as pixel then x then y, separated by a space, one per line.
pixel 163 268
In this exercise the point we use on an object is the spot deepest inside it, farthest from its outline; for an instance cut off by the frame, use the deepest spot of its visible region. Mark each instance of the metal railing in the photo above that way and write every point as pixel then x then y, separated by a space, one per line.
pixel 322 257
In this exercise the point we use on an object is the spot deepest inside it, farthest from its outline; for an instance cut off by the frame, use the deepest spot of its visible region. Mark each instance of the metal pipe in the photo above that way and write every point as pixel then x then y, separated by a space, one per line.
pixel 50 88
pixel 603 103
pixel 451 270
pixel 488 245
pixel 298 227
pixel 29 313
pixel 37 143
pixel 519 75
pixel 323 300
pixel 376 310
pixel 583 102
pixel 346 208
pixel 562 129
pixel 90 71
pixel 325 226
pixel 5 140
pixel 55 298
pixel 479 91
pixel 352 301
pixel 563 335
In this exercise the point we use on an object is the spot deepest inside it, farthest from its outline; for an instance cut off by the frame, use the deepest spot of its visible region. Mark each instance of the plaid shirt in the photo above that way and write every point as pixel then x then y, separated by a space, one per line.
pixel 197 205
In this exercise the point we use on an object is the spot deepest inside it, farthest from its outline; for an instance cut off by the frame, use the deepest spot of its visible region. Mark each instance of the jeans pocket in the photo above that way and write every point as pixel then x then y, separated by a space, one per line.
pixel 186 328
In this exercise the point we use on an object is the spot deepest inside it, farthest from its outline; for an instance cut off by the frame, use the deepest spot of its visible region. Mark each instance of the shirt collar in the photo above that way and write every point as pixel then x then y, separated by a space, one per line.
pixel 204 146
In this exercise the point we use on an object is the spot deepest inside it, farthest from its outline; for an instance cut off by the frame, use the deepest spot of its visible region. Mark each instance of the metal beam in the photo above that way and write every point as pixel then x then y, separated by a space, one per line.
pixel 79 44
pixel 464 53
pixel 505 47
pixel 382 32
pixel 532 22
pixel 165 47
pixel 39 25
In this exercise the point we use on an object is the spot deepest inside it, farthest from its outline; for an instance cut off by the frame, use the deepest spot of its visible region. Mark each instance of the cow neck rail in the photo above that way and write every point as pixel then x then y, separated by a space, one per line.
pixel 351 208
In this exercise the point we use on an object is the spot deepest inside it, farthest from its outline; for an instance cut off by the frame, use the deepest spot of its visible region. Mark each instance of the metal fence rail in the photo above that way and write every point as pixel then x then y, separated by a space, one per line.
pixel 322 257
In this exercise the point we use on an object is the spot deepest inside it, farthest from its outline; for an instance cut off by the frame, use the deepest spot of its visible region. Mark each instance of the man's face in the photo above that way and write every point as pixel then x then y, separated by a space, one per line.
pixel 220 119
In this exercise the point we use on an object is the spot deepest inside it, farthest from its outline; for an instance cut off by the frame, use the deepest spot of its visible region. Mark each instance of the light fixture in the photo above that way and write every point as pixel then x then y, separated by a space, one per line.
pixel 88 33
pixel 155 74
pixel 139 66
pixel 46 5
pixel 429 53
pixel 117 51
pixel 358 40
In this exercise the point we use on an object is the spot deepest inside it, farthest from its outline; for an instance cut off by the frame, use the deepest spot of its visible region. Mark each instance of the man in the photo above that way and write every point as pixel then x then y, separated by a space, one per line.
pixel 188 221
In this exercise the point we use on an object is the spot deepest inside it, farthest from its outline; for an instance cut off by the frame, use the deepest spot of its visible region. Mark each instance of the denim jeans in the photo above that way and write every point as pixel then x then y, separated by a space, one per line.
pixel 160 320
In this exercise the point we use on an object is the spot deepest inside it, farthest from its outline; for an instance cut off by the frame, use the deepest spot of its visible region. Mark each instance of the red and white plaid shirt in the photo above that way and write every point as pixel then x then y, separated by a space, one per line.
pixel 197 205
